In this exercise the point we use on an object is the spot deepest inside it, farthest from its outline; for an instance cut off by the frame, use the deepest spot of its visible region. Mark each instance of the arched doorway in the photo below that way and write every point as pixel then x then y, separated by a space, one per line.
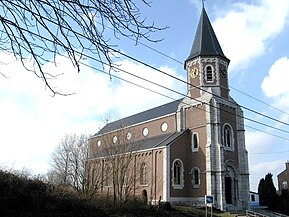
pixel 144 196
pixel 231 186
pixel 228 190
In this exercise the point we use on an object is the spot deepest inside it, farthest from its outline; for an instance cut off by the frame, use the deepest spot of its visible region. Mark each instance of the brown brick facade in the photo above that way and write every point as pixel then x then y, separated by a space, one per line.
pixel 184 150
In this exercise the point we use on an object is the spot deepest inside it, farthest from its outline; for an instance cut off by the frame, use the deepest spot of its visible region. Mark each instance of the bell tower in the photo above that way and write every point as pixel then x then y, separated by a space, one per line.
pixel 206 65
pixel 218 121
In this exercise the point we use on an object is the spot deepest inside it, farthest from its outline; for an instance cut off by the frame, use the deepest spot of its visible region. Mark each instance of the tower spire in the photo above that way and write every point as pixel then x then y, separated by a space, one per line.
pixel 203 3
pixel 205 42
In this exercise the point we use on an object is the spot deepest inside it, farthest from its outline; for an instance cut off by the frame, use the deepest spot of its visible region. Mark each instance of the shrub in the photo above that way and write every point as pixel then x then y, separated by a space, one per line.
pixel 167 206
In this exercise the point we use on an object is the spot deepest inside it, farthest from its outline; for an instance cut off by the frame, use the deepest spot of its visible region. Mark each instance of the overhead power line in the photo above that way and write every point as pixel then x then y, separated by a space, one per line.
pixel 152 67
pixel 134 59
pixel 172 98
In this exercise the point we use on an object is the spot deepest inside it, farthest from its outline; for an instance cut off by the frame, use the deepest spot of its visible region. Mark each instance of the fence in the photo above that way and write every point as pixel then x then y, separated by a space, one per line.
pixel 264 214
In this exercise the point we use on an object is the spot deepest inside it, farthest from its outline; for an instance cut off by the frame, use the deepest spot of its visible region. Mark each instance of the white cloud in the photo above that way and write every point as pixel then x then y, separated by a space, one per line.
pixel 33 122
pixel 268 167
pixel 258 142
pixel 244 30
pixel 262 168
pixel 276 87
pixel 276 82
pixel 131 99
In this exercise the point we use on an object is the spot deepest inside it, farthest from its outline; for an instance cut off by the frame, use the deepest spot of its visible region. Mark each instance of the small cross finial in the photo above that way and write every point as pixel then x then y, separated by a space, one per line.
pixel 203 3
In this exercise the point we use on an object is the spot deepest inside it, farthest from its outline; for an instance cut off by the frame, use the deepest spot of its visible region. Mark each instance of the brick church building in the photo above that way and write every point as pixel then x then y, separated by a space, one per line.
pixel 184 150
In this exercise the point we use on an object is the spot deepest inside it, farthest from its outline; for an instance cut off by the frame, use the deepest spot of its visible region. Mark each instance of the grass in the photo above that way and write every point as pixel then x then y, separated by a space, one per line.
pixel 192 211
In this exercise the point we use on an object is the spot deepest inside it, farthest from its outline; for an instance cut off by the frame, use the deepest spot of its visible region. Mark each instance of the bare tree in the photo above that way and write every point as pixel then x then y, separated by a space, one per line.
pixel 41 29
pixel 117 166
pixel 68 162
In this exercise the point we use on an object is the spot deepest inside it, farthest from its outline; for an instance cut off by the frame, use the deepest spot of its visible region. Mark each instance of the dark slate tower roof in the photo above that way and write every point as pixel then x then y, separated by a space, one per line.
pixel 205 42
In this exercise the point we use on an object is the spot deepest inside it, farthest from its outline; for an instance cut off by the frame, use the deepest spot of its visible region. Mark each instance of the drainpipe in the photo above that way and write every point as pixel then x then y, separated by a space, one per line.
pixel 156 176
pixel 152 174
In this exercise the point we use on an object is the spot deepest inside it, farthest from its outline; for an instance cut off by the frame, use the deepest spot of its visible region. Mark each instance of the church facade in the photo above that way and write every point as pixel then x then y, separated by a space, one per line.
pixel 184 150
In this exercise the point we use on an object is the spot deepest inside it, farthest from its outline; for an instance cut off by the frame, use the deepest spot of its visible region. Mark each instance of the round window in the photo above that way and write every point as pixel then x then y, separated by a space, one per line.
pixel 114 139
pixel 145 131
pixel 164 126
pixel 128 135
pixel 98 143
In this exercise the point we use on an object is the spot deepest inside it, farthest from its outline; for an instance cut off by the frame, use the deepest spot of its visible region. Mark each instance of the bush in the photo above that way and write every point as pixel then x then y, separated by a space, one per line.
pixel 167 206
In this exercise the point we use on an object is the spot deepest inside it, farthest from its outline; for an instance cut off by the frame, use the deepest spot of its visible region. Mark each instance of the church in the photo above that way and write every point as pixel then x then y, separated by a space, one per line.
pixel 184 150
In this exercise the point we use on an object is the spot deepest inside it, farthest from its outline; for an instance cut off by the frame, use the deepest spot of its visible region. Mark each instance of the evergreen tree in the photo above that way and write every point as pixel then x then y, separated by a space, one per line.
pixel 261 191
pixel 267 193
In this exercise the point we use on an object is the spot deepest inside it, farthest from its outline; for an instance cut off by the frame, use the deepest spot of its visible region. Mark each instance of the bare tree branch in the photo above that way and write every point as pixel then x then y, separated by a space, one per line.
pixel 40 30
pixel 68 162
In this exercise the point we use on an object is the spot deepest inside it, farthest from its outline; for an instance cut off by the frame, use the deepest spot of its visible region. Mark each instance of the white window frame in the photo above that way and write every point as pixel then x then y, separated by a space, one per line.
pixel 108 176
pixel 284 185
pixel 193 142
pixel 145 131
pixel 143 174
pixel 225 143
pixel 194 178
pixel 164 127
pixel 206 75
pixel 182 181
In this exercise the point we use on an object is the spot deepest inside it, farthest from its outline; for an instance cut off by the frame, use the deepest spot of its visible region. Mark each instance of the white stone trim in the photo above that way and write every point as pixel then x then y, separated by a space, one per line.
pixel 193 142
pixel 166 173
pixel 199 177
pixel 213 74
pixel 226 147
pixel 182 180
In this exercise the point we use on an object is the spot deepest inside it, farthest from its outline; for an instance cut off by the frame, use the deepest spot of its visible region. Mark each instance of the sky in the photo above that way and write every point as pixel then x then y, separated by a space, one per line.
pixel 253 35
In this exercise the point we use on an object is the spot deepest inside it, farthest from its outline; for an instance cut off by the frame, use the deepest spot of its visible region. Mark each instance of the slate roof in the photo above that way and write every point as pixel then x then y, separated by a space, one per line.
pixel 205 42
pixel 150 143
pixel 150 114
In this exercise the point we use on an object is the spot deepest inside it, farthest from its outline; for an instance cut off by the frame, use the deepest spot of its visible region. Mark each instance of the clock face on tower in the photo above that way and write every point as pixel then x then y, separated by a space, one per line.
pixel 194 72
pixel 223 72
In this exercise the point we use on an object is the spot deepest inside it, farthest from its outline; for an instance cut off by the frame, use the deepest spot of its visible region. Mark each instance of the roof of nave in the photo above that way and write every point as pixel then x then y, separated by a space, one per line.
pixel 147 115
pixel 141 145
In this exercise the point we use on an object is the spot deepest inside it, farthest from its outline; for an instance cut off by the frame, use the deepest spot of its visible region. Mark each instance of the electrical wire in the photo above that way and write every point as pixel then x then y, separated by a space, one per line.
pixel 112 75
pixel 154 68
pixel 134 59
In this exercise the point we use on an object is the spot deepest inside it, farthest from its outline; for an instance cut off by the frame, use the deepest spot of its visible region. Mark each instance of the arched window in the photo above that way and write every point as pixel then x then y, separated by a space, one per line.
pixel 196 177
pixel 178 174
pixel 195 142
pixel 124 177
pixel 143 174
pixel 209 73
pixel 228 137
pixel 108 176
pixel 284 185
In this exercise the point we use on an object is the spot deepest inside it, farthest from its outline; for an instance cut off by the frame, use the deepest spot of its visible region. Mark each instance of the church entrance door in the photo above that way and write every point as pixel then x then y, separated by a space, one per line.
pixel 228 190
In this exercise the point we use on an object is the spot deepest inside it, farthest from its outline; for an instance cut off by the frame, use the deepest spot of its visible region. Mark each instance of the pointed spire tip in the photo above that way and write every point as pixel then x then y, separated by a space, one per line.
pixel 203 3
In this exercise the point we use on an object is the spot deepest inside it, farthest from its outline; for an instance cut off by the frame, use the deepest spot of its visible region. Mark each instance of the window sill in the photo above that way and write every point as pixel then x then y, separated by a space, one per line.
pixel 228 149
pixel 179 187
pixel 195 149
